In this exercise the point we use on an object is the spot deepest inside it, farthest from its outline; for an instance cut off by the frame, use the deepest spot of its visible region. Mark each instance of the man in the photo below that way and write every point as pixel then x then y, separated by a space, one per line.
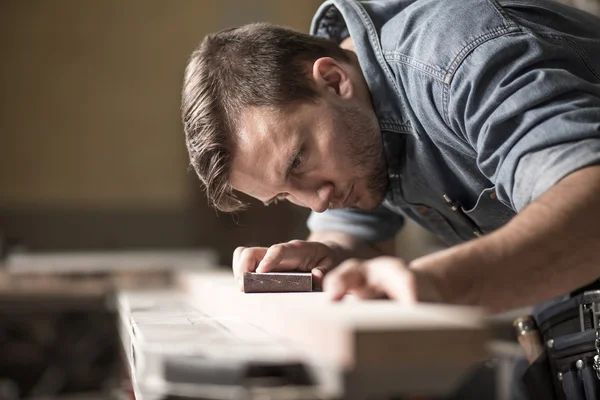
pixel 479 119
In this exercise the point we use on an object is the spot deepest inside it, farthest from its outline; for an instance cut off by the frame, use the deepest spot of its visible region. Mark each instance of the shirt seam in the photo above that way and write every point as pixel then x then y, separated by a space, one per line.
pixel 432 71
pixel 375 43
pixel 575 48
pixel 462 56
pixel 393 126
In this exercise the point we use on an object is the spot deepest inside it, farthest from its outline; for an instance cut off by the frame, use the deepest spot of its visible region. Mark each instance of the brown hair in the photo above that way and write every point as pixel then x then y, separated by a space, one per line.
pixel 256 65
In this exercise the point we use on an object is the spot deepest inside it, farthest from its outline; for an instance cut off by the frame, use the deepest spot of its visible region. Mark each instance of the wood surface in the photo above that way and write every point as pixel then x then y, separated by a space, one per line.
pixel 376 341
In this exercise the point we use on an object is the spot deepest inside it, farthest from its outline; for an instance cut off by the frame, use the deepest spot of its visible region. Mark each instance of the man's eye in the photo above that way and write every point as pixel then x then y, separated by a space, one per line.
pixel 298 160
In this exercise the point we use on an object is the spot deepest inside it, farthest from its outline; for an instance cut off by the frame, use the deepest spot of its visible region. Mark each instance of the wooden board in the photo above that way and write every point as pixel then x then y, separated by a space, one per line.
pixel 378 339
pixel 173 348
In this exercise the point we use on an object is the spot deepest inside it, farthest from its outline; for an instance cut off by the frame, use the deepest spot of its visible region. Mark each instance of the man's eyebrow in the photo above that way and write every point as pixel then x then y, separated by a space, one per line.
pixel 297 148
pixel 295 152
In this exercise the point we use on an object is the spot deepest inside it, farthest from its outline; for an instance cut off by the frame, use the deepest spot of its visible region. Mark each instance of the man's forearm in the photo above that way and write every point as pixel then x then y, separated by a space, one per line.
pixel 551 248
pixel 347 246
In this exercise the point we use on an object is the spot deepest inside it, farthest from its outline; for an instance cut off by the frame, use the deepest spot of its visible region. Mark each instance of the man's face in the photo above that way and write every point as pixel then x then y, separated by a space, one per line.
pixel 319 155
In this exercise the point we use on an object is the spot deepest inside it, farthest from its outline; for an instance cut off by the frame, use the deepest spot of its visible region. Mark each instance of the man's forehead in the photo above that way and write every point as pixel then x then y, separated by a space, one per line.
pixel 262 145
pixel 260 137
pixel 259 123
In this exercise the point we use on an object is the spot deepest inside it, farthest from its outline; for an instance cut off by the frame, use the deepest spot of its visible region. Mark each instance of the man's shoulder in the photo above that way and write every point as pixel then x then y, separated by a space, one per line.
pixel 434 36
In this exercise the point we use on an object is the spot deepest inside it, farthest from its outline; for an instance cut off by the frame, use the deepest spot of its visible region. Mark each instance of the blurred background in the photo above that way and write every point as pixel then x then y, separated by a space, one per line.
pixel 92 152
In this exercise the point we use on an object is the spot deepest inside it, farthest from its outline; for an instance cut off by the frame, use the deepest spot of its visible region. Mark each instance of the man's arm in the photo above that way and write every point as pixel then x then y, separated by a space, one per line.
pixel 531 114
pixel 551 248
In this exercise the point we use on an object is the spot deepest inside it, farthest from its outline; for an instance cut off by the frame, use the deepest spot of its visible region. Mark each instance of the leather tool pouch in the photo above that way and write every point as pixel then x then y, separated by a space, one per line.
pixel 569 369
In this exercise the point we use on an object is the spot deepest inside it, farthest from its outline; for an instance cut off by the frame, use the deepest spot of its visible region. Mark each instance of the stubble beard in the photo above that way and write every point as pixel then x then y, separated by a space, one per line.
pixel 364 147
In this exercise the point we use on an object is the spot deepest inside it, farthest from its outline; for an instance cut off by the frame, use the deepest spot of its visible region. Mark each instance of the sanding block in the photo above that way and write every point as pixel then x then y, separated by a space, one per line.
pixel 269 282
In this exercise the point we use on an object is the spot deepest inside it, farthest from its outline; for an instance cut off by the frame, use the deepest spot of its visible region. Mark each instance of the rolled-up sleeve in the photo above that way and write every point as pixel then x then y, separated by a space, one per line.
pixel 530 108
pixel 378 225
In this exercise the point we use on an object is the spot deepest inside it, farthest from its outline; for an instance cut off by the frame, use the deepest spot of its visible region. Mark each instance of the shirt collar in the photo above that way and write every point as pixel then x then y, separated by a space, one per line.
pixel 335 20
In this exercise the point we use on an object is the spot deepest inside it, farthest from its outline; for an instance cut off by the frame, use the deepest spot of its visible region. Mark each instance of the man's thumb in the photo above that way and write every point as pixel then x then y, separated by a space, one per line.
pixel 318 273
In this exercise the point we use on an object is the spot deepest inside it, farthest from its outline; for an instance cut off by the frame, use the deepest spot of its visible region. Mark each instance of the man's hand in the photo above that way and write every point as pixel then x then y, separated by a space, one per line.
pixel 381 277
pixel 297 255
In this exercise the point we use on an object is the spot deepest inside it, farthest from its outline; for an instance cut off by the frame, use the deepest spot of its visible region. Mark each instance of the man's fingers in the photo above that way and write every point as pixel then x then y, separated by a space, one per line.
pixel 273 257
pixel 375 278
pixel 236 257
pixel 350 275
pixel 397 283
pixel 367 292
pixel 247 259
pixel 319 272
pixel 295 255
pixel 235 262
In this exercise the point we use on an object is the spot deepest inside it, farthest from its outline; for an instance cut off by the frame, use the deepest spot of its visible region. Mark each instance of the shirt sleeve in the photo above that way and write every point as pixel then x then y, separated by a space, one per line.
pixel 378 225
pixel 530 108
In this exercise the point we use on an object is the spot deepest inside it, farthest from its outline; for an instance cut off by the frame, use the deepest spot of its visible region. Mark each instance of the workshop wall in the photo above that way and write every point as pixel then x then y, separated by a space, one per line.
pixel 92 152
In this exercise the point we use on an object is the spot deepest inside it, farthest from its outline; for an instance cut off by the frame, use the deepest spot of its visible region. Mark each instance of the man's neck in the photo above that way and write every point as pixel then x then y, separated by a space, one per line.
pixel 348 44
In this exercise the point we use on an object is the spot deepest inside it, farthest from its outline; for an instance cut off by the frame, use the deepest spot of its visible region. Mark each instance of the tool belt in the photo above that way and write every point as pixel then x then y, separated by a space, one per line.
pixel 569 366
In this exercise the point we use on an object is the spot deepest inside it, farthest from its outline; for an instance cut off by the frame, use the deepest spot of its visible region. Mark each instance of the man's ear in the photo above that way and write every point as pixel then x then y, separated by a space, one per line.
pixel 330 75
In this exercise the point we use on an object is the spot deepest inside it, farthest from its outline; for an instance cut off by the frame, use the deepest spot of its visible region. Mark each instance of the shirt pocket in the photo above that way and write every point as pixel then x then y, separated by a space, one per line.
pixel 489 213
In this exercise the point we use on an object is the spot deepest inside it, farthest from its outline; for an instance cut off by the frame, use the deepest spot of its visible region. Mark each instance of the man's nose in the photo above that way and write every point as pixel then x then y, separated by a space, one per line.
pixel 318 200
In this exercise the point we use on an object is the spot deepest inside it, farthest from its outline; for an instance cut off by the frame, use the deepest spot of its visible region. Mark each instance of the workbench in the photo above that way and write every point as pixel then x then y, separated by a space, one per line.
pixel 186 331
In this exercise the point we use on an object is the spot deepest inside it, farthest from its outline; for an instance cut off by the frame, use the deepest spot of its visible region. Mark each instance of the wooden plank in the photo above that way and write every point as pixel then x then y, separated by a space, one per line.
pixel 358 337
pixel 168 340
pixel 273 282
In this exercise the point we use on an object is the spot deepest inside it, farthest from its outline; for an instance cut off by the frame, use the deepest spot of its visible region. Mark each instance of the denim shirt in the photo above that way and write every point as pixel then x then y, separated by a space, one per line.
pixel 483 106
